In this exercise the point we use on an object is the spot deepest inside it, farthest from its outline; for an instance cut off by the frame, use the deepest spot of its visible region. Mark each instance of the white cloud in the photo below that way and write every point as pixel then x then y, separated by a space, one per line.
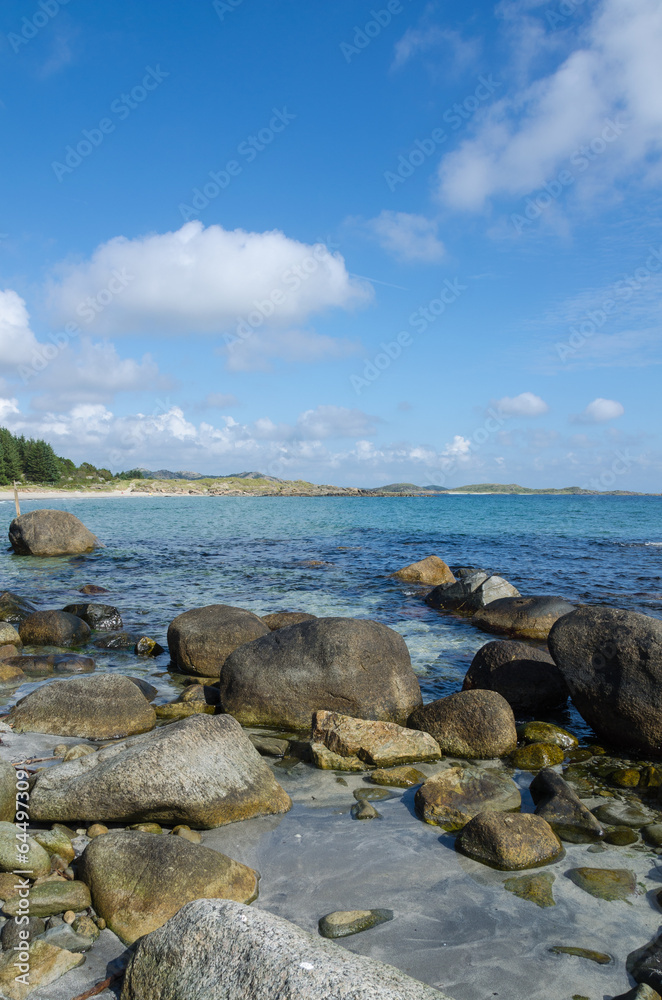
pixel 527 404
pixel 406 236
pixel 429 37
pixel 205 281
pixel 599 411
pixel 17 341
pixel 336 421
pixel 522 141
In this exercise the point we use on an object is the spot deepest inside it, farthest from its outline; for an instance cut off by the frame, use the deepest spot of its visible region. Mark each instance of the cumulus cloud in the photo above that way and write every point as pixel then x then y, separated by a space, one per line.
pixel 17 341
pixel 407 237
pixel 527 404
pixel 522 141
pixel 204 281
pixel 600 411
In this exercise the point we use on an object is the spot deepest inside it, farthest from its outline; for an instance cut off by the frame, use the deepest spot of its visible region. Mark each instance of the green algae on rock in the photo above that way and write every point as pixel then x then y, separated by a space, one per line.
pixel 545 732
pixel 343 923
pixel 534 888
pixel 397 777
pixel 599 957
pixel 535 756
pixel 621 836
pixel 611 884
pixel 453 797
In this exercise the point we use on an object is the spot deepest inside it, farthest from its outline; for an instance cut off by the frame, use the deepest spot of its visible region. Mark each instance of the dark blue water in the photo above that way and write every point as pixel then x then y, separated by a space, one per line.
pixel 165 555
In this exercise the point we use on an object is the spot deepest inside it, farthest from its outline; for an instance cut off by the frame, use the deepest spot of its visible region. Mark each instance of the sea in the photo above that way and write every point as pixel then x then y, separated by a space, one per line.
pixel 334 556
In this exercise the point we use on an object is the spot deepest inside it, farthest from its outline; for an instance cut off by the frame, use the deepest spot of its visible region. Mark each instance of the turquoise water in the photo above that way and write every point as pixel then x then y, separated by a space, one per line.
pixel 165 555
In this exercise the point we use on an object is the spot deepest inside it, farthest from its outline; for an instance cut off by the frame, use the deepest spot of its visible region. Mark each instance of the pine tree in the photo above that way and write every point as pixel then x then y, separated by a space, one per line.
pixel 40 463
pixel 11 456
pixel 4 478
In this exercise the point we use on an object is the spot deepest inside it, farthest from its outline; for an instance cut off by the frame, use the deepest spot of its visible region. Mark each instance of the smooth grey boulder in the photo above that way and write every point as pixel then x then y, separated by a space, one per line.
pixel 563 809
pixel 612 663
pixel 98 707
pixel 524 675
pixel 227 951
pixel 203 771
pixel 51 533
pixel 525 617
pixel 54 628
pixel 471 592
pixel 201 640
pixel 357 667
pixel 469 724
pixel 139 880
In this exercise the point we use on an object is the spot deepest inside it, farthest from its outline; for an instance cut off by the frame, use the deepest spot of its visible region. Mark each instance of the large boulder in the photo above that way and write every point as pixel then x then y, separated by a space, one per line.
pixel 51 533
pixel 471 592
pixel 140 880
pixel 379 743
pixel 226 951
pixel 100 707
pixel 432 571
pixel 524 617
pixel 563 809
pixel 469 724
pixel 203 771
pixel 612 663
pixel 360 668
pixel 54 628
pixel 201 640
pixel 509 841
pixel 524 675
pixel 453 797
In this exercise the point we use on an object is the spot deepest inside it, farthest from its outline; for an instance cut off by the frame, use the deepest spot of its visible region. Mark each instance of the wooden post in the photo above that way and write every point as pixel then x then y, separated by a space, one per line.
pixel 18 506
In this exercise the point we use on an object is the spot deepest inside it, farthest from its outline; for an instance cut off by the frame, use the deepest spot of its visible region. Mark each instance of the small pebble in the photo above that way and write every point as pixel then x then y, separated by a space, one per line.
pixel 69 916
pixel 96 830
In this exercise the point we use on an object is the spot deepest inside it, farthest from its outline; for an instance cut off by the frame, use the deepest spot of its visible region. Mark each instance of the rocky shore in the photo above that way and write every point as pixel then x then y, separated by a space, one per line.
pixel 297 793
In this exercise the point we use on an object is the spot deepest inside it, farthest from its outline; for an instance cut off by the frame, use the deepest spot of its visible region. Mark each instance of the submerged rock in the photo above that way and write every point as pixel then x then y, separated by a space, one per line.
pixel 101 617
pixel 54 628
pixel 563 810
pixel 397 777
pixel 469 724
pixel 619 813
pixel 612 664
pixel 51 533
pixel 605 883
pixel 358 667
pixel 432 571
pixel 343 923
pixel 226 951
pixel 14 608
pixel 534 888
pixel 201 640
pixel 103 706
pixel 524 675
pixel 545 732
pixel 599 957
pixel 453 797
pixel 203 771
pixel 140 880
pixel 526 617
pixel 378 743
pixel 509 841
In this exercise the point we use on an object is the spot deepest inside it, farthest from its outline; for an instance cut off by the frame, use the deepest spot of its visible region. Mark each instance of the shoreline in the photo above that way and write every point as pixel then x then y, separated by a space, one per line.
pixel 55 494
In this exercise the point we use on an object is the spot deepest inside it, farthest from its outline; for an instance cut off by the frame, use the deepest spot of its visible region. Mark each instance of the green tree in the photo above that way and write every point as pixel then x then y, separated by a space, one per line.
pixel 11 456
pixel 40 462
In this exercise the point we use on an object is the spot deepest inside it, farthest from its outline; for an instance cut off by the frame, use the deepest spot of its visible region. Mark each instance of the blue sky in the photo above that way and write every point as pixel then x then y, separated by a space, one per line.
pixel 351 243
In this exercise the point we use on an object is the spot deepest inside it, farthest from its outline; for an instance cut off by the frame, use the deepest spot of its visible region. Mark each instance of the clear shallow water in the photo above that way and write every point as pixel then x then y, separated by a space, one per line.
pixel 165 555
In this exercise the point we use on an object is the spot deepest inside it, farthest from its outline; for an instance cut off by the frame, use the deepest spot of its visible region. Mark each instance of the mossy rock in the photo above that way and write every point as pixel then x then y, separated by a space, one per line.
pixel 535 756
pixel 343 923
pixel 398 777
pixel 599 957
pixel 545 732
pixel 611 884
pixel 534 888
